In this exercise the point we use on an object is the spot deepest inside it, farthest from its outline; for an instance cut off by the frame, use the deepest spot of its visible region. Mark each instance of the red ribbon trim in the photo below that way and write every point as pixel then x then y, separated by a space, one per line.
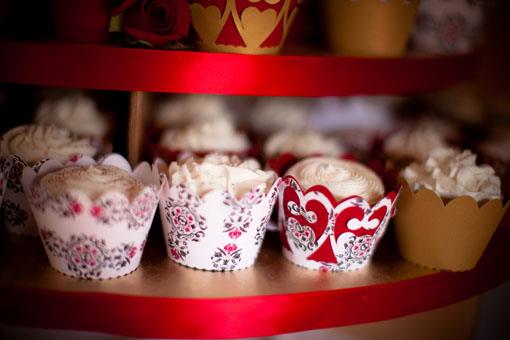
pixel 126 69
pixel 250 316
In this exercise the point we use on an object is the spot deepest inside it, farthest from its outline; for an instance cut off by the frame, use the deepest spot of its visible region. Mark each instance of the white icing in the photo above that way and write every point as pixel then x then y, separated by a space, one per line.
pixel 92 180
pixel 273 114
pixel 342 177
pixel 220 172
pixel 301 144
pixel 35 142
pixel 75 113
pixel 216 135
pixel 189 109
pixel 451 174
pixel 417 142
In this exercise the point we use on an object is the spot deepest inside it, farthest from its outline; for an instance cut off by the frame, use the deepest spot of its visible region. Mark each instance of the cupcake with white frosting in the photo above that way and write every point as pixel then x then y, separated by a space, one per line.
pixel 29 146
pixel 283 148
pixel 214 210
pixel 448 211
pixel 183 110
pixel 201 139
pixel 332 213
pixel 93 218
pixel 77 113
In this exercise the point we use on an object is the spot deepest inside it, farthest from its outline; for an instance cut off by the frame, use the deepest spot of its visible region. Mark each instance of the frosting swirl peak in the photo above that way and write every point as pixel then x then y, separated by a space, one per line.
pixel 342 177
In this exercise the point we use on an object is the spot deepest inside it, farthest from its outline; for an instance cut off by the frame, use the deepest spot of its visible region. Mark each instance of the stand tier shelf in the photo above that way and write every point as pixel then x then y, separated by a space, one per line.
pixel 107 67
pixel 164 300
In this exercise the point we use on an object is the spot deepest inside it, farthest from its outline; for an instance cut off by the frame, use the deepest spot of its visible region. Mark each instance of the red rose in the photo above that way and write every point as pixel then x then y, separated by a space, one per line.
pixel 155 21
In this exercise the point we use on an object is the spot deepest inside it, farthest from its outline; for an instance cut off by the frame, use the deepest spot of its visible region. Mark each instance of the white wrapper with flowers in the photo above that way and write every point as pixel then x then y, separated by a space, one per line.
pixel 318 232
pixel 98 238
pixel 215 231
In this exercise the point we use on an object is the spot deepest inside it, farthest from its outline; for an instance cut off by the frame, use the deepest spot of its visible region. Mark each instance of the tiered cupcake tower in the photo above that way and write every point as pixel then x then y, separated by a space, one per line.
pixel 189 303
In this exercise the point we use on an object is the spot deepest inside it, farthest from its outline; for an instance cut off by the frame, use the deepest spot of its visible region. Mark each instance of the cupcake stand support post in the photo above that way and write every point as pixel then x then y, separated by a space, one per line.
pixel 138 114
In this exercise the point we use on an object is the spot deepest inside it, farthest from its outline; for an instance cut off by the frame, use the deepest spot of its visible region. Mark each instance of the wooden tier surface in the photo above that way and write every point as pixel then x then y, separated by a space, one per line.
pixel 114 68
pixel 164 300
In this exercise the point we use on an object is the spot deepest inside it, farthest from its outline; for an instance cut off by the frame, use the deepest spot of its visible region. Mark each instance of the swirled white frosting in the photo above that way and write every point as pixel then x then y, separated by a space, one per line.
pixel 301 144
pixel 92 180
pixel 35 142
pixel 451 173
pixel 342 177
pixel 220 172
pixel 415 143
pixel 216 135
pixel 75 113
pixel 189 109
pixel 273 114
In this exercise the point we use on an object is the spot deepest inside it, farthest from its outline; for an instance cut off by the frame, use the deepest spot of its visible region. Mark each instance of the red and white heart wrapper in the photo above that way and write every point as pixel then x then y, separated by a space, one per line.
pixel 93 239
pixel 216 231
pixel 317 232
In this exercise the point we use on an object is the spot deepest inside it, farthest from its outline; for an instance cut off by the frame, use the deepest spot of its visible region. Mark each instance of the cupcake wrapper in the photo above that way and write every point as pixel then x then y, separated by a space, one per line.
pixel 98 239
pixel 242 26
pixel 317 232
pixel 217 231
pixel 18 218
pixel 447 237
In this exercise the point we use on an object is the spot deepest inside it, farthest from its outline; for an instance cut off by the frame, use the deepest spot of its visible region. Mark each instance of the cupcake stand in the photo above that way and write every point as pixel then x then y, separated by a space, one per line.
pixel 164 300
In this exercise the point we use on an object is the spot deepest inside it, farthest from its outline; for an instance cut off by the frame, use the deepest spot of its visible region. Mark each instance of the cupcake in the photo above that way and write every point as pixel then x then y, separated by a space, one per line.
pixel 453 26
pixel 270 115
pixel 183 110
pixel 93 218
pixel 415 142
pixel 214 210
pixel 29 146
pixel 369 27
pixel 448 210
pixel 77 113
pixel 332 213
pixel 496 152
pixel 284 148
pixel 247 27
pixel 203 138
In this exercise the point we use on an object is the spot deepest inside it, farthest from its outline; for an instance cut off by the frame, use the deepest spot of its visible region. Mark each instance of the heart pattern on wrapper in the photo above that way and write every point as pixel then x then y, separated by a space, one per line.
pixel 320 233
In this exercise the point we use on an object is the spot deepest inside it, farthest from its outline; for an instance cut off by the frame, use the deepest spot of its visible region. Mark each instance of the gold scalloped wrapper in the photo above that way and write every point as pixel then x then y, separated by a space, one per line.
pixel 369 27
pixel 447 237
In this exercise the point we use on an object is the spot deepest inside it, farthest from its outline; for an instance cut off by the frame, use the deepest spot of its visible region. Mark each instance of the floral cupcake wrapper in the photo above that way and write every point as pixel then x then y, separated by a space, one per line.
pixel 93 239
pixel 215 232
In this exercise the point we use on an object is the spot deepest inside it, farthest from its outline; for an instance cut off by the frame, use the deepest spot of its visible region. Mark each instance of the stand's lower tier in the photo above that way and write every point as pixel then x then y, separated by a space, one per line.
pixel 164 300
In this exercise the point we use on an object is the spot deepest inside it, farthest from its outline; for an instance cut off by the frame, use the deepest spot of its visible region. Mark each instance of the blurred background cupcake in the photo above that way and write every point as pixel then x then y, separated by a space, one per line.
pixel 369 27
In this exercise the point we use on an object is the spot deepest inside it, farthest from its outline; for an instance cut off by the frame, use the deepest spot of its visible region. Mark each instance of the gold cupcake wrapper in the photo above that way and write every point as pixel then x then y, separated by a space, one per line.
pixel 450 236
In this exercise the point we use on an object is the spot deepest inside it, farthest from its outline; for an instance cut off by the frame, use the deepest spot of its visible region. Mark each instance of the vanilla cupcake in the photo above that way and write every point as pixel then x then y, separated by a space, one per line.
pixel 214 211
pixel 183 110
pixel 332 213
pixel 205 137
pixel 301 144
pixel 93 218
pixel 415 142
pixel 272 114
pixel 29 146
pixel 77 113
pixel 448 210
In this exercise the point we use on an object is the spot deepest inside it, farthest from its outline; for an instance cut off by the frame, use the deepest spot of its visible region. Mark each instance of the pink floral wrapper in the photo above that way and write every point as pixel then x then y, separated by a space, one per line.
pixel 93 239
pixel 217 231
pixel 321 233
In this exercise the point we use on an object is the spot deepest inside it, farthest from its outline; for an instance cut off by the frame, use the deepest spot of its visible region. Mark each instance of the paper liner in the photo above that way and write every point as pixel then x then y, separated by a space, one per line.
pixel 242 26
pixel 448 237
pixel 98 239
pixel 217 231
pixel 369 27
pixel 317 232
